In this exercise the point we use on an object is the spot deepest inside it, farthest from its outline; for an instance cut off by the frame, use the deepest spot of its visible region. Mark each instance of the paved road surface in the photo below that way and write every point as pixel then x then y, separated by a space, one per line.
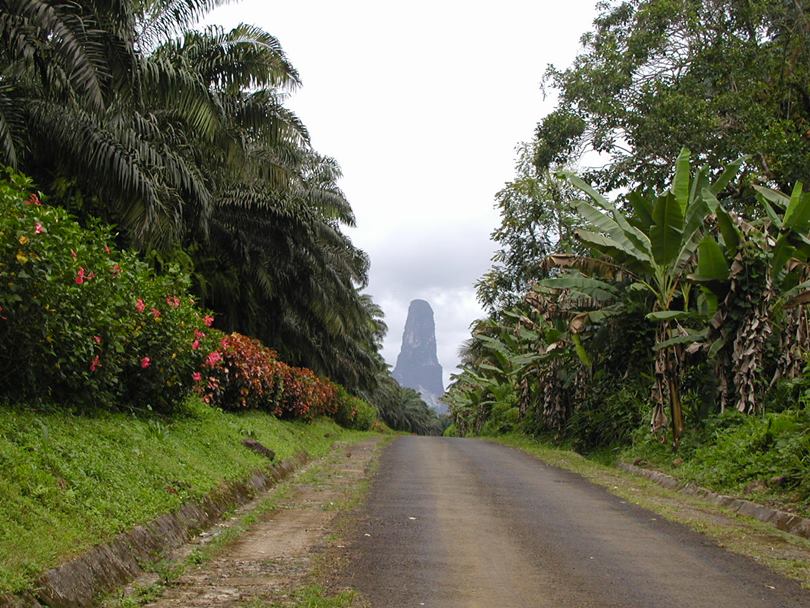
pixel 463 523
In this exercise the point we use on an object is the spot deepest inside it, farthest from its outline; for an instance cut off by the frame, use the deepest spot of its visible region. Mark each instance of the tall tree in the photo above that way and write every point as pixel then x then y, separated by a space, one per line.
pixel 724 78
pixel 537 217
pixel 180 137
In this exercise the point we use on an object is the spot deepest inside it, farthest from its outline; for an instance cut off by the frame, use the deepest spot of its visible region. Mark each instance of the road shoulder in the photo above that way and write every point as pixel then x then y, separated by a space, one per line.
pixel 783 553
pixel 271 553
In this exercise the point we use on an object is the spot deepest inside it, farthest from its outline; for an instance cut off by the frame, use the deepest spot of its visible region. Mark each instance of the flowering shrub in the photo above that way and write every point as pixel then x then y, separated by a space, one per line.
pixel 304 394
pixel 246 375
pixel 249 376
pixel 82 322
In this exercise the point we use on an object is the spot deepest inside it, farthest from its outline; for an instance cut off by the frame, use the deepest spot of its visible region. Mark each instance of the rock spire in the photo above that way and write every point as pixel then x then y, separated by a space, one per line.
pixel 417 365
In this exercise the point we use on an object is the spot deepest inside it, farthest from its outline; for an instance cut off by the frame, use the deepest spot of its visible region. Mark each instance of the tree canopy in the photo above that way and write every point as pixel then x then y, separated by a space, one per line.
pixel 181 138
pixel 722 77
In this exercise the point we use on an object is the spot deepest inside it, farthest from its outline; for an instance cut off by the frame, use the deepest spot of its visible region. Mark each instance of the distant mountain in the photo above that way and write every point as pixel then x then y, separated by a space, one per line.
pixel 417 365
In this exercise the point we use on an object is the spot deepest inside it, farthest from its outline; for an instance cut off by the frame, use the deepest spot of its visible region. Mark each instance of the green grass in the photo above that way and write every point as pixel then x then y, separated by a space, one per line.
pixel 72 481
pixel 325 563
pixel 763 458
pixel 313 596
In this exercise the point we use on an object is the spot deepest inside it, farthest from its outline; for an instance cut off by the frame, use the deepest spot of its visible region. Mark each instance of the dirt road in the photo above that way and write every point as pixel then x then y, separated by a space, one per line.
pixel 463 523
pixel 274 556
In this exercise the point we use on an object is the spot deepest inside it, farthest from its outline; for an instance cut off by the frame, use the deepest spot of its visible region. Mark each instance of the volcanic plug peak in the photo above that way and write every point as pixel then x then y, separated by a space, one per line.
pixel 418 365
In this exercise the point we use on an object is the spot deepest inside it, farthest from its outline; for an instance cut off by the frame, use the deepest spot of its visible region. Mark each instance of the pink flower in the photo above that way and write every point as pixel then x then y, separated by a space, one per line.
pixel 213 358
pixel 97 339
pixel 173 301
pixel 195 345
pixel 208 320
pixel 79 276
pixel 38 228
pixel 33 200
pixel 116 269
pixel 198 334
pixel 91 275
pixel 140 306
pixel 155 313
pixel 107 249
pixel 223 343
pixel 146 362
pixel 95 364
pixel 197 376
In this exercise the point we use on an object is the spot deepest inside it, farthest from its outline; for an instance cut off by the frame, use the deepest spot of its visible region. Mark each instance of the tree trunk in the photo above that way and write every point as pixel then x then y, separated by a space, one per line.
pixel 667 389
pixel 794 345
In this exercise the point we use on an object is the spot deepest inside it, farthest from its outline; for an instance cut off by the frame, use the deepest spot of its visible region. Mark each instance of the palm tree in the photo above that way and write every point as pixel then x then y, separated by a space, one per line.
pixel 181 138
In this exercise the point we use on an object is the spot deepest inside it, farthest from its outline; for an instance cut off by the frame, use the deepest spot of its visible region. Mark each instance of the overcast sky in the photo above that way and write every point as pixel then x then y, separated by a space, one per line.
pixel 422 104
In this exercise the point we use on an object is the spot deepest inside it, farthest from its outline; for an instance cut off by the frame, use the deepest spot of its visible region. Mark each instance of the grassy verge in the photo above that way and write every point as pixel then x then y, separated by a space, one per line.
pixel 318 589
pixel 170 570
pixel 72 481
pixel 763 458
pixel 784 553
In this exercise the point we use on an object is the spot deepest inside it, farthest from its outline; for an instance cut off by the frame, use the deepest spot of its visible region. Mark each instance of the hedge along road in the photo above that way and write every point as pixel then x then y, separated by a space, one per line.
pixel 464 523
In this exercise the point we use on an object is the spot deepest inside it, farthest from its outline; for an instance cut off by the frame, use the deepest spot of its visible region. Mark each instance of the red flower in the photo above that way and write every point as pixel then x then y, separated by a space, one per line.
pixel 79 276
pixel 197 376
pixel 208 320
pixel 139 305
pixel 116 269
pixel 223 343
pixel 198 334
pixel 95 364
pixel 155 313
pixel 107 249
pixel 33 200
pixel 97 339
pixel 213 358
pixel 195 345
pixel 173 301
pixel 38 228
pixel 146 362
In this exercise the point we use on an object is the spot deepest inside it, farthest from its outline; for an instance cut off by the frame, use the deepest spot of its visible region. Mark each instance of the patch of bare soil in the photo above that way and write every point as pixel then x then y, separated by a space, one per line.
pixel 275 555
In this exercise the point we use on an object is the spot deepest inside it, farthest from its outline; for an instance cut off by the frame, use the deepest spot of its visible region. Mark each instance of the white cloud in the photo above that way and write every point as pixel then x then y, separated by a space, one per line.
pixel 422 103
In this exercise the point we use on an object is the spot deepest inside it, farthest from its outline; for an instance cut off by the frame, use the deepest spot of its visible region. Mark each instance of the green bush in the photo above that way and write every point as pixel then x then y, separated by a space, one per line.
pixel 607 416
pixel 352 412
pixel 83 323
pixel 503 419
pixel 450 431
pixel 773 449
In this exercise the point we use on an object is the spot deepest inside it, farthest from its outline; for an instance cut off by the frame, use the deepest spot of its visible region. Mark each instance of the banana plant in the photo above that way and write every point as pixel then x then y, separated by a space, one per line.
pixel 656 246
pixel 751 271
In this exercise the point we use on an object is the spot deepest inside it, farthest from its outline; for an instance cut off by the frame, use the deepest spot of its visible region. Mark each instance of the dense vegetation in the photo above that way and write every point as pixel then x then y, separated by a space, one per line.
pixel 180 138
pixel 677 303
pixel 127 116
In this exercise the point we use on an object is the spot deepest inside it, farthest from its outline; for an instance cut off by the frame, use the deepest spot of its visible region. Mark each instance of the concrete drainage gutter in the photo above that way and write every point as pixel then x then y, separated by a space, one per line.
pixel 78 582
pixel 788 522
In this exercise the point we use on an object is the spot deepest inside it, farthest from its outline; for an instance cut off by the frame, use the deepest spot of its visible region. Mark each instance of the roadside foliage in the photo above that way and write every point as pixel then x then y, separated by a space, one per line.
pixel 655 299
pixel 84 324
pixel 178 135
pixel 673 308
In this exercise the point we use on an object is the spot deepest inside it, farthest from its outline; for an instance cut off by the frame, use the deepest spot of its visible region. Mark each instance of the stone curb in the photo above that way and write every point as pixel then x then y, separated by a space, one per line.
pixel 76 583
pixel 787 522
